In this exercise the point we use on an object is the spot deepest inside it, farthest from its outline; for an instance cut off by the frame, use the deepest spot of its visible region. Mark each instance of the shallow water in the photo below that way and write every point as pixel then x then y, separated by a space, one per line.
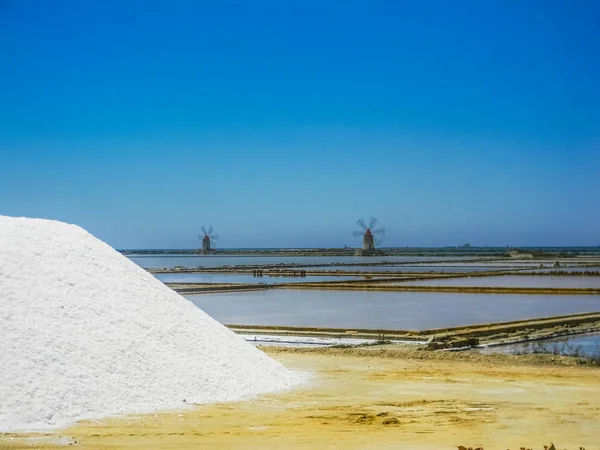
pixel 513 263
pixel 548 281
pixel 388 310
pixel 210 261
pixel 403 268
pixel 246 278
pixel 589 344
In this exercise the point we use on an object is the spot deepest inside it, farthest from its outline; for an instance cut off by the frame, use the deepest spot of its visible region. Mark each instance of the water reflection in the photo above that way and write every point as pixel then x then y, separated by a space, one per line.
pixel 588 344
pixel 390 310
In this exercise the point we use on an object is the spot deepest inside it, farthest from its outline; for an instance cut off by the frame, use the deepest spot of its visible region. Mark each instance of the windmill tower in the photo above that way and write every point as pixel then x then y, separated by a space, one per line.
pixel 207 239
pixel 369 234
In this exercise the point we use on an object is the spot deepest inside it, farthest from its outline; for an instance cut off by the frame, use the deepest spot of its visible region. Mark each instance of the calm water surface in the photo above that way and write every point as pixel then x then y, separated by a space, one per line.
pixel 403 268
pixel 244 278
pixel 548 281
pixel 589 344
pixel 389 310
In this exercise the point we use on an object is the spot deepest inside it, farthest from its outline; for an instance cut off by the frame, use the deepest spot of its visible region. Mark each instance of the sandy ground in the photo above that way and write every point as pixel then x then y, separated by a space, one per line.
pixel 379 399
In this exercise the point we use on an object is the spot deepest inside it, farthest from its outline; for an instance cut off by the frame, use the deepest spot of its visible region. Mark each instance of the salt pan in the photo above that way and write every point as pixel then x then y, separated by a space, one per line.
pixel 86 333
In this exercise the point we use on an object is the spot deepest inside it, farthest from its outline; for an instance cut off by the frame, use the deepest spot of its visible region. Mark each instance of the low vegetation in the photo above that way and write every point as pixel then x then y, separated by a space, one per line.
pixel 560 349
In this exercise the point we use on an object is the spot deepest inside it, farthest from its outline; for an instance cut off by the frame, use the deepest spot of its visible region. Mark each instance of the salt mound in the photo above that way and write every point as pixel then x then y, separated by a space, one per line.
pixel 86 333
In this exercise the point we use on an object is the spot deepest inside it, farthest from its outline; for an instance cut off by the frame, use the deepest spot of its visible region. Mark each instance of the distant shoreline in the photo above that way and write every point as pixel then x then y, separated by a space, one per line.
pixel 521 252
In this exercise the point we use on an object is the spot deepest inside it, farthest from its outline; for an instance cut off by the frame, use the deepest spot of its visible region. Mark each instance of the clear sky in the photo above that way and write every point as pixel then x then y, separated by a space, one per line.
pixel 280 123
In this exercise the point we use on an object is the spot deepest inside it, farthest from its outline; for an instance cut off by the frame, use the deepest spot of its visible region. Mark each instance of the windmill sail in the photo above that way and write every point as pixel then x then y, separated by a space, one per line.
pixel 370 233
pixel 208 238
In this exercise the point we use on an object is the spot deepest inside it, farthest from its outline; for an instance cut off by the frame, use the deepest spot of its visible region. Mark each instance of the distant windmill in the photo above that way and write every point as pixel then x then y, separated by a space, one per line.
pixel 369 234
pixel 207 239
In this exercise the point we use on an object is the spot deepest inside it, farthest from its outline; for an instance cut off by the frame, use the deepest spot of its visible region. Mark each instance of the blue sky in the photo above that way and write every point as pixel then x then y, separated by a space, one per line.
pixel 280 123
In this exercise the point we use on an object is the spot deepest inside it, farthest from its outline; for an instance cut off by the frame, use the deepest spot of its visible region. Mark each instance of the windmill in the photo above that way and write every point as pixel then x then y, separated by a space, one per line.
pixel 369 234
pixel 207 239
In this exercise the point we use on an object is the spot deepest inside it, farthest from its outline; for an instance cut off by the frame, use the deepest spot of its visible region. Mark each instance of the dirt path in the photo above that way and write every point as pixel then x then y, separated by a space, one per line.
pixel 361 399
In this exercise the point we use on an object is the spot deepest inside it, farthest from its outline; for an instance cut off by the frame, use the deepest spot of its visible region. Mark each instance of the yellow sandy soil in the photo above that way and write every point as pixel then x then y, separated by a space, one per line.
pixel 381 399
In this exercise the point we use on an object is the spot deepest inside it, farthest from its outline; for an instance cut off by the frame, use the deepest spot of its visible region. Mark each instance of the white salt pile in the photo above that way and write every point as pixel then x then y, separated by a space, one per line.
pixel 85 333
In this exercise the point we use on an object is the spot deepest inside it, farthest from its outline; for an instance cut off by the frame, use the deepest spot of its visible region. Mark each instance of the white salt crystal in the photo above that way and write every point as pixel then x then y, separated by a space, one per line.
pixel 85 333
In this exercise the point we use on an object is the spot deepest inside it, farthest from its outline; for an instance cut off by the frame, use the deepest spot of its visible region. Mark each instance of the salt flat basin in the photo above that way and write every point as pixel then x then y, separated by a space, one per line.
pixel 403 268
pixel 527 263
pixel 589 344
pixel 387 310
pixel 249 279
pixel 565 269
pixel 546 281
pixel 210 261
